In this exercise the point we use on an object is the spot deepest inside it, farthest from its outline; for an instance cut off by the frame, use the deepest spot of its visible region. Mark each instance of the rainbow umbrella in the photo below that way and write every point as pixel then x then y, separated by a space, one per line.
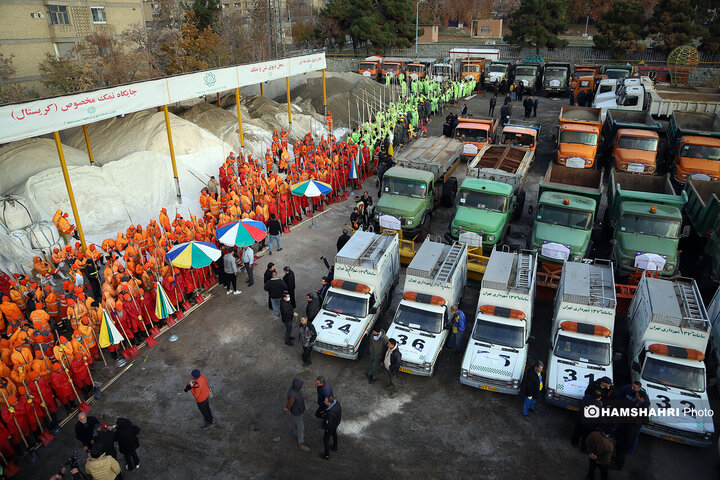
pixel 241 234
pixel 163 307
pixel 310 188
pixel 353 170
pixel 193 254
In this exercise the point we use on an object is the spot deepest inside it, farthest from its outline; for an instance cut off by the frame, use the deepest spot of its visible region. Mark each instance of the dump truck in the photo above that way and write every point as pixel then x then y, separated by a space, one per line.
pixel 703 212
pixel 556 77
pixel 645 215
pixel 578 135
pixel 443 70
pixel 567 210
pixel 371 67
pixel 434 282
pixel 394 66
pixel 473 70
pixel 521 134
pixel 693 146
pixel 491 196
pixel 669 334
pixel 582 333
pixel 473 61
pixel 496 355
pixel 498 71
pixel 631 139
pixel 529 74
pixel 367 269
pixel 421 177
pixel 616 71
pixel 475 133
pixel 416 70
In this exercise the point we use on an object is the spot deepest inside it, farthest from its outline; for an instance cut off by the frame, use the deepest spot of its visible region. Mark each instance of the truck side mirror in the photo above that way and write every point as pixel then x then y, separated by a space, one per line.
pixel 685 231
pixel 373 310
pixel 636 367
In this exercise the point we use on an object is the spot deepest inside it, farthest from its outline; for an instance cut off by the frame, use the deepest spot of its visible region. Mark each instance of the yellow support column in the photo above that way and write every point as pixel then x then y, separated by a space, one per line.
pixel 218 98
pixel 172 153
pixel 261 90
pixel 68 186
pixel 240 128
pixel 87 143
pixel 324 93
pixel 287 88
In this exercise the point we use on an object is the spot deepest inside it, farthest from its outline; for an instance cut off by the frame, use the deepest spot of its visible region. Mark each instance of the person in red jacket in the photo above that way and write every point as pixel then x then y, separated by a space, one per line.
pixel 188 281
pixel 200 389
pixel 14 416
pixel 80 375
pixel 172 290
pixel 6 448
pixel 32 403
pixel 147 306
pixel 61 385
pixel 131 320
pixel 44 394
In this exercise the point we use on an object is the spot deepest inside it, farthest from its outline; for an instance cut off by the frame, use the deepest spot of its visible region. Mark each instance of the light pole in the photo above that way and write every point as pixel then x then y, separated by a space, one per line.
pixel 417 17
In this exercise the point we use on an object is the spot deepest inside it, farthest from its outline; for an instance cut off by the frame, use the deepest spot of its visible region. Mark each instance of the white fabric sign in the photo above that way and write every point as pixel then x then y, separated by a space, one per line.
pixel 649 261
pixel 555 250
pixel 198 84
pixel 390 222
pixel 471 239
pixel 263 72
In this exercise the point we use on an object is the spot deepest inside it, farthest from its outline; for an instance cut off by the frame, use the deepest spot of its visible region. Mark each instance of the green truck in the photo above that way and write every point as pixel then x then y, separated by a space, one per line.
pixel 556 77
pixel 491 196
pixel 421 178
pixel 703 212
pixel 568 202
pixel 645 215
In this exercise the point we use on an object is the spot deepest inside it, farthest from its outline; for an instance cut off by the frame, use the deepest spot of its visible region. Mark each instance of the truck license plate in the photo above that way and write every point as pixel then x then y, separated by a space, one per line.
pixel 672 439
pixel 575 162
pixel 329 353
pixel 488 388
pixel 636 167
pixel 405 370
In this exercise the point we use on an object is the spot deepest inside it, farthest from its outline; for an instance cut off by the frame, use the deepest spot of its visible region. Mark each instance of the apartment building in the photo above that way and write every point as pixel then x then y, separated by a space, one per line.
pixel 29 29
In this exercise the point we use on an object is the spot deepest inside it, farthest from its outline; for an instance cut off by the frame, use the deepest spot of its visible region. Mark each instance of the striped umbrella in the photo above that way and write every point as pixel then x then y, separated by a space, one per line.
pixel 241 234
pixel 193 254
pixel 163 307
pixel 109 334
pixel 353 170
pixel 310 188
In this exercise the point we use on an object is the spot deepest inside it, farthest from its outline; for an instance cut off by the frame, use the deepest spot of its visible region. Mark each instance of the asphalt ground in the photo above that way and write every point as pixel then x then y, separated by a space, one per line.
pixel 435 428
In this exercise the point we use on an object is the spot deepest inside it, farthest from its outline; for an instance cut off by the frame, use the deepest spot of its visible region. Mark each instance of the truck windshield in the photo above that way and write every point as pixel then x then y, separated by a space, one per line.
pixel 498 68
pixel 471 68
pixel 582 138
pixel 471 135
pixel 661 227
pixel 555 72
pixel 520 139
pixel 409 188
pixel 700 151
pixel 584 73
pixel 565 217
pixel 367 66
pixel 499 334
pixel 674 374
pixel 638 143
pixel 583 350
pixel 483 201
pixel 525 71
pixel 441 69
pixel 419 319
pixel 415 68
pixel 345 304
pixel 616 73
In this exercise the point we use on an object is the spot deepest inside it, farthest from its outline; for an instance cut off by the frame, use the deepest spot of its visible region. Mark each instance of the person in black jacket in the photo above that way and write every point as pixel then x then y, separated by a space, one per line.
pixel 332 416
pixel 267 276
pixel 275 288
pixel 313 306
pixel 84 430
pixel 307 335
pixel 287 315
pixel 493 102
pixel 532 387
pixel 392 365
pixel 126 435
pixel 105 440
pixel 584 425
pixel 324 285
pixel 289 279
pixel 342 239
pixel 274 231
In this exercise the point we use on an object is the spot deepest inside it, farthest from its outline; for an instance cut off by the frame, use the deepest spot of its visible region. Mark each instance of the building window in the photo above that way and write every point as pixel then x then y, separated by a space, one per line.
pixel 98 14
pixel 484 29
pixel 58 15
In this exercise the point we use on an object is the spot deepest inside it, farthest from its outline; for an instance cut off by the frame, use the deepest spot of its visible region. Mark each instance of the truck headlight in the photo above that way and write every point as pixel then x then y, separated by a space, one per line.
pixel 577 258
pixel 588 162
pixel 683 175
pixel 625 261
pixel 408 221
pixel 455 231
pixel 669 267
pixel 623 166
pixel 515 382
pixel 427 365
pixel 550 392
pixel 464 373
pixel 491 238
pixel 715 179
pixel 561 161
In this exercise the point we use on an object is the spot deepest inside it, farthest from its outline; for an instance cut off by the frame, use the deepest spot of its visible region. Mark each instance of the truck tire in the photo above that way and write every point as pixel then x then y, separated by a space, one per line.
pixel 519 205
pixel 449 191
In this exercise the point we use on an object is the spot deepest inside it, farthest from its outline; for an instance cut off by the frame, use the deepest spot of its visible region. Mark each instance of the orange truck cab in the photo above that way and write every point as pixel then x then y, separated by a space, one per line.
pixel 416 71
pixel 473 69
pixel 393 67
pixel 371 67
pixel 632 139
pixel 693 140
pixel 585 79
pixel 578 136
pixel 520 134
pixel 475 133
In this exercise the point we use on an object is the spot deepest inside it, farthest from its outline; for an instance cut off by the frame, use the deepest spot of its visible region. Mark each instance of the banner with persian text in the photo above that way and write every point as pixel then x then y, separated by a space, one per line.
pixel 39 117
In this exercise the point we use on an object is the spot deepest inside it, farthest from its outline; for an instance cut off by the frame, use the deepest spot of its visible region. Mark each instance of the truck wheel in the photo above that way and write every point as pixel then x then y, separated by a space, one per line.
pixel 449 191
pixel 519 205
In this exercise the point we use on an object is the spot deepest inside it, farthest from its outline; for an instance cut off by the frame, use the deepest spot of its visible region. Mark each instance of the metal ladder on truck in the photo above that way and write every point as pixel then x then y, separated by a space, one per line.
pixel 447 267
pixel 524 265
pixel 690 301
pixel 373 253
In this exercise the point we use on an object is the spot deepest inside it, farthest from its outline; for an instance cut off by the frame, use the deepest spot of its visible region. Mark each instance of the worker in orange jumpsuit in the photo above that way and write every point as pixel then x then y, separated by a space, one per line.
pixel 87 337
pixel 22 355
pixel 41 364
pixel 52 304
pixel 61 386
pixel 80 375
pixel 12 316
pixel 164 220
pixel 63 352
pixel 205 201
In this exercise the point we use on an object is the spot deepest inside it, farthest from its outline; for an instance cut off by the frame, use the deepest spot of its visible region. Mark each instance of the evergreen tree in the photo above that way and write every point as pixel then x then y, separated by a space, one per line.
pixel 537 23
pixel 672 24
pixel 621 29
pixel 205 12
